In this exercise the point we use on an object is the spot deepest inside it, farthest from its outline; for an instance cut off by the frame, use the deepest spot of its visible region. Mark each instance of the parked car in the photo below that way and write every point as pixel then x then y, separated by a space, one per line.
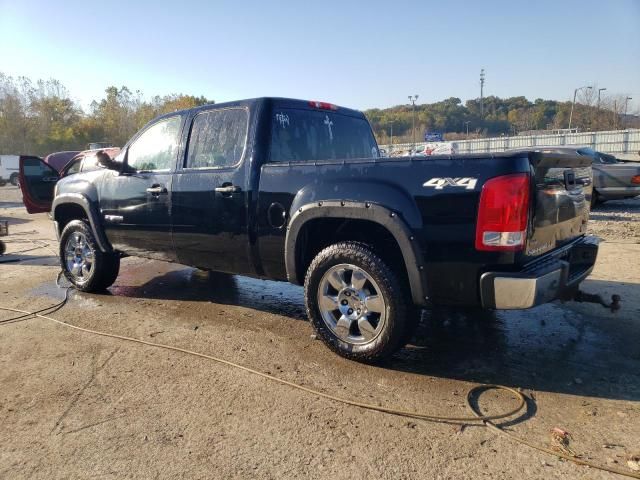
pixel 296 191
pixel 9 169
pixel 612 179
pixel 87 160
pixel 58 160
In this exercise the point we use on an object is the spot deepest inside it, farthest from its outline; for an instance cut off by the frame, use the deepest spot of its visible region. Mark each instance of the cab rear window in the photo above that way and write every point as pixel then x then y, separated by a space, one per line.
pixel 309 135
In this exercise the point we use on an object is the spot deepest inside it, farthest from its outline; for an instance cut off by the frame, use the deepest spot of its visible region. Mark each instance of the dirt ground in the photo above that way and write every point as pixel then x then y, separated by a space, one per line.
pixel 73 405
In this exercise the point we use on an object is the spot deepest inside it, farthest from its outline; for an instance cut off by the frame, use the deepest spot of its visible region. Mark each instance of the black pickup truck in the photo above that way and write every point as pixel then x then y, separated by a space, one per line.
pixel 296 191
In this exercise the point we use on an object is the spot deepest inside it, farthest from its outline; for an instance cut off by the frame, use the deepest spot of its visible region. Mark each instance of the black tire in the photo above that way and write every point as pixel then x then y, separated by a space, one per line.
pixel 595 199
pixel 14 179
pixel 104 268
pixel 3 183
pixel 400 320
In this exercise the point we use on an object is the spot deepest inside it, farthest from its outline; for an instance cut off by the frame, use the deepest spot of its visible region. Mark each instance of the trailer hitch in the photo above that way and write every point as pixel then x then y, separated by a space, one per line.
pixel 581 296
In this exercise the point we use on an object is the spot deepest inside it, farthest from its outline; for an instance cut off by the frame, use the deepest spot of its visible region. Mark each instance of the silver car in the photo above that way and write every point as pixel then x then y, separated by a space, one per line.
pixel 612 179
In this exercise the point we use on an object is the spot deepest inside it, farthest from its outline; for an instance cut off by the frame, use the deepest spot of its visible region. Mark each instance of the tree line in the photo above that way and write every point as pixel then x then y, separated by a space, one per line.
pixel 40 117
pixel 508 116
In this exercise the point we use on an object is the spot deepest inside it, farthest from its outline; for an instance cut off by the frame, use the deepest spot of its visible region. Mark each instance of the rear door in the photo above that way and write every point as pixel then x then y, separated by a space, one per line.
pixel 37 182
pixel 561 199
pixel 209 194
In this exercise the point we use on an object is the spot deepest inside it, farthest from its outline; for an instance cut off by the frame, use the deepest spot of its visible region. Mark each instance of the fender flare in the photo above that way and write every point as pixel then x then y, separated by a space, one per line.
pixel 392 221
pixel 90 211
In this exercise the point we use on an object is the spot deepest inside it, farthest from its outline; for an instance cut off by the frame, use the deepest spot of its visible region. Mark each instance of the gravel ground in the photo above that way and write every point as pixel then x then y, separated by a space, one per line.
pixel 617 220
pixel 74 405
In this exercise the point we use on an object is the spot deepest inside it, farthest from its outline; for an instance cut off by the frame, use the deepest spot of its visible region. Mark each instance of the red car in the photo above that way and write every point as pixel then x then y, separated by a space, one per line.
pixel 39 199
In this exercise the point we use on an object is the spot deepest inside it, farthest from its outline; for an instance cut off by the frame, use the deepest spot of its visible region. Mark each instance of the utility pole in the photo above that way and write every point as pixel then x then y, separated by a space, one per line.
pixel 391 123
pixel 626 103
pixel 413 99
pixel 467 124
pixel 615 114
pixel 575 92
pixel 600 90
pixel 482 94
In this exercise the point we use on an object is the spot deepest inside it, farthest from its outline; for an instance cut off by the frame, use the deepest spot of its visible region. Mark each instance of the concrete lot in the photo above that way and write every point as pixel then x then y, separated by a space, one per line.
pixel 74 405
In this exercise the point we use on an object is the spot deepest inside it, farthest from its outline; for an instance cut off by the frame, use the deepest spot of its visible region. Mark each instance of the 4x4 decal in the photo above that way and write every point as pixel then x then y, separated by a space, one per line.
pixel 468 183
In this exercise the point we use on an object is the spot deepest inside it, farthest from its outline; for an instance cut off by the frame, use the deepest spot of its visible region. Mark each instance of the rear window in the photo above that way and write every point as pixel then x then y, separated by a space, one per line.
pixel 298 134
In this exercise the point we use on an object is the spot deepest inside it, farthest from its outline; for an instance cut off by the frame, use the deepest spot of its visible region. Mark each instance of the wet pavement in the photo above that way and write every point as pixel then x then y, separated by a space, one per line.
pixel 550 348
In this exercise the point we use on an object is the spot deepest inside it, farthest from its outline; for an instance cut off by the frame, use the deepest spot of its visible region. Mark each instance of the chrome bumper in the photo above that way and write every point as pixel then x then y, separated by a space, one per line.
pixel 618 192
pixel 553 276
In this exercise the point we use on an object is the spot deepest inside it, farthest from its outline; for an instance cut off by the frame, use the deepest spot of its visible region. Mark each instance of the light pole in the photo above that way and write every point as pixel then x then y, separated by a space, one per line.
pixel 413 99
pixel 575 92
pixel 391 124
pixel 467 124
pixel 600 90
pixel 626 103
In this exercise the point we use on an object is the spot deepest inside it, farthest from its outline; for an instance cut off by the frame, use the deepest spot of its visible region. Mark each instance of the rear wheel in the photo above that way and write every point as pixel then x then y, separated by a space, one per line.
pixel 356 303
pixel 82 262
pixel 14 179
pixel 595 199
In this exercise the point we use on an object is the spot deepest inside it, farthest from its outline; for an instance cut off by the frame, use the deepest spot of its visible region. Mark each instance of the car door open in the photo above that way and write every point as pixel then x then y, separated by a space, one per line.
pixel 37 182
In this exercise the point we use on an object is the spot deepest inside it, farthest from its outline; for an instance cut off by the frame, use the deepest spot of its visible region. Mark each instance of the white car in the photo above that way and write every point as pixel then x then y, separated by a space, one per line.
pixel 9 169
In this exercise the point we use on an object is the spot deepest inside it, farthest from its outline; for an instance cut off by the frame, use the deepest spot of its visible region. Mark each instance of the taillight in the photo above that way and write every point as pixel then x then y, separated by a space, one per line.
pixel 323 105
pixel 635 179
pixel 503 212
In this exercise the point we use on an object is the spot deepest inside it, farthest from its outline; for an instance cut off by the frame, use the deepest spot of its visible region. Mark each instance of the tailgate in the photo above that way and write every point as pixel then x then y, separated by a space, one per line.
pixel 560 202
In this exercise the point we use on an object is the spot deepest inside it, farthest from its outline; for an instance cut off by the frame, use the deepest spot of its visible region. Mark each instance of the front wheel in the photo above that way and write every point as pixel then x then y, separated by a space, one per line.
pixel 82 262
pixel 356 303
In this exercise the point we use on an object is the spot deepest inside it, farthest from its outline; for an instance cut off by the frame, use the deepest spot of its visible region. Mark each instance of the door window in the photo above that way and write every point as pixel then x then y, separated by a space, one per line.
pixel 157 147
pixel 217 138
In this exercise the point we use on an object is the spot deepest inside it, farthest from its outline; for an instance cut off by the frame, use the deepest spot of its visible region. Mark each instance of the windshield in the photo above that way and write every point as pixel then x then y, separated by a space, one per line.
pixel 298 134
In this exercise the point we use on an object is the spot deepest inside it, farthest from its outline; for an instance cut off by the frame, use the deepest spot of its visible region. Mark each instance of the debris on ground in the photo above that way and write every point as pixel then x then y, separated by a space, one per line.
pixel 560 441
pixel 634 462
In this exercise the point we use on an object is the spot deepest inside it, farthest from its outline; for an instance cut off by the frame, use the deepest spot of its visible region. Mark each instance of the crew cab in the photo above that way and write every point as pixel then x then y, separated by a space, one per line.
pixel 296 191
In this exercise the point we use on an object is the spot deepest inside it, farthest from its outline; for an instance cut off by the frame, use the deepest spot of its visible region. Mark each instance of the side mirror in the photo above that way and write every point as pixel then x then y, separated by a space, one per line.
pixel 106 161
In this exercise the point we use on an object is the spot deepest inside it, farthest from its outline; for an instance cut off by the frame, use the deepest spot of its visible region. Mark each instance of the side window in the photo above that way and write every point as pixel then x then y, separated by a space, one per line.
pixel 157 147
pixel 89 163
pixel 217 138
pixel 74 167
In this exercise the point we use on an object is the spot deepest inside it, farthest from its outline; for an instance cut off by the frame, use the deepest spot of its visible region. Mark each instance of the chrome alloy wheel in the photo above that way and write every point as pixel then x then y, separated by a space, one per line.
pixel 79 257
pixel 351 304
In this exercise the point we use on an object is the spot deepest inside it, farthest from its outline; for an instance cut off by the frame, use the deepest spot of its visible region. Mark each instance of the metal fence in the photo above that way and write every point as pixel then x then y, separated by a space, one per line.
pixel 625 142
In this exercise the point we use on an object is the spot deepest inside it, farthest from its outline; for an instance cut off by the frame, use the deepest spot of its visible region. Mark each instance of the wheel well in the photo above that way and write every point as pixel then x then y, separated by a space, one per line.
pixel 67 212
pixel 319 233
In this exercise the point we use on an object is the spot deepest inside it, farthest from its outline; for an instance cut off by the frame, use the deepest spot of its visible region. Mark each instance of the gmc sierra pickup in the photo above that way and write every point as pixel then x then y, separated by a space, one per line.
pixel 296 191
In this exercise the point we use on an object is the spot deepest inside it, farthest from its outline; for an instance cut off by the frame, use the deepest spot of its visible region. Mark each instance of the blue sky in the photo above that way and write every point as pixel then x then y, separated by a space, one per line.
pixel 357 54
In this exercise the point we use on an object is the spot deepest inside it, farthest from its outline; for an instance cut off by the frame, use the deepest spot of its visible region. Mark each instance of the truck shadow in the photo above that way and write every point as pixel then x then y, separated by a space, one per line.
pixel 188 284
pixel 550 348
pixel 555 347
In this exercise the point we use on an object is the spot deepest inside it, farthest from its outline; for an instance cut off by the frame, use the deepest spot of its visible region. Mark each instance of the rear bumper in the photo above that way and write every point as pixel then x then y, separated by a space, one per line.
pixel 556 275
pixel 612 193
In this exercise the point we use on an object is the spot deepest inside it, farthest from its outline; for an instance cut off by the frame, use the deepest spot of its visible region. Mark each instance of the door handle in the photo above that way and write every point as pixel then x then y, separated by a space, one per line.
pixel 228 189
pixel 157 190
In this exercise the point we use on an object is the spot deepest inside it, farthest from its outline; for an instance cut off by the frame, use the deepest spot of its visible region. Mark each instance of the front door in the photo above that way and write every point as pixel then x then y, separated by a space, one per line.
pixel 209 198
pixel 136 202
pixel 37 182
